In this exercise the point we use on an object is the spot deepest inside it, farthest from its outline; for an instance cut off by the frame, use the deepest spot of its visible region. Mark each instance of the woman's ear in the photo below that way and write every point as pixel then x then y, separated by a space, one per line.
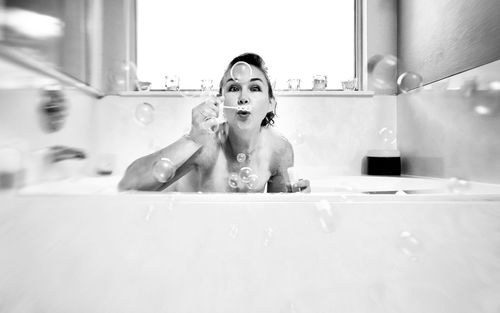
pixel 272 105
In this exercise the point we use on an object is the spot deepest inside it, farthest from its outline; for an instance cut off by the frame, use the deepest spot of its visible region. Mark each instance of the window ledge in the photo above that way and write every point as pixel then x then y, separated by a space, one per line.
pixel 278 93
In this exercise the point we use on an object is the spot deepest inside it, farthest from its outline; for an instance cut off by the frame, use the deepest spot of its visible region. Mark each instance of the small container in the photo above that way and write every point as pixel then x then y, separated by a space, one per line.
pixel 319 82
pixel 207 84
pixel 172 82
pixel 293 84
pixel 350 85
pixel 144 86
pixel 383 162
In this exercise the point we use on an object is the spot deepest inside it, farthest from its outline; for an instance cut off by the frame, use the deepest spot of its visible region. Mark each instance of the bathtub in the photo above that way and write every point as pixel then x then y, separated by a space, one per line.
pixel 84 247
pixel 335 185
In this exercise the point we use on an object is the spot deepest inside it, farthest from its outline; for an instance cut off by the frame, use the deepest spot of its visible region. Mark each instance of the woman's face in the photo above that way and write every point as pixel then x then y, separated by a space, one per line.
pixel 253 94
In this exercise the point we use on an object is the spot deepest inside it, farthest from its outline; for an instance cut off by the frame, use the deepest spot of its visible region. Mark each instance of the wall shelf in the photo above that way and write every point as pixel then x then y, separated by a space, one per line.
pixel 278 93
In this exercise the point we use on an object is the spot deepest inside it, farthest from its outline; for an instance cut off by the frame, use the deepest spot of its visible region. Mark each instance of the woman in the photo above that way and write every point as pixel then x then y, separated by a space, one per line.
pixel 243 154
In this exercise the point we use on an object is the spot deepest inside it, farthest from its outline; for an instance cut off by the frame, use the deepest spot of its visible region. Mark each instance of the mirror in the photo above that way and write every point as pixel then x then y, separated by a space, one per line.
pixel 52 33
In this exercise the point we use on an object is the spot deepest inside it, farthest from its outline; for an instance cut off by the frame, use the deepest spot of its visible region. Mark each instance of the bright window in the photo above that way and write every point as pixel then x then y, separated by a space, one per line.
pixel 195 39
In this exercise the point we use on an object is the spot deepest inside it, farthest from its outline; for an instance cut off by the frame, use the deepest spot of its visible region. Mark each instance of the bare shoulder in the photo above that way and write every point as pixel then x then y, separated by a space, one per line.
pixel 281 147
pixel 277 141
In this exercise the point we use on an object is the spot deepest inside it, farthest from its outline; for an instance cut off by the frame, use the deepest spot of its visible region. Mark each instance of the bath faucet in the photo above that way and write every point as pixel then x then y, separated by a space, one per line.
pixel 61 153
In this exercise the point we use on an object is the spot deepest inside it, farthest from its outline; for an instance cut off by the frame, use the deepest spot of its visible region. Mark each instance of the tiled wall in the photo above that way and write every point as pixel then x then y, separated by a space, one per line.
pixel 330 134
pixel 447 130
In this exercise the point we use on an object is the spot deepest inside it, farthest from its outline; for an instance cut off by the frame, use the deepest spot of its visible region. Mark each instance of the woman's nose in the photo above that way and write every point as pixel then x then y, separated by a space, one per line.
pixel 243 101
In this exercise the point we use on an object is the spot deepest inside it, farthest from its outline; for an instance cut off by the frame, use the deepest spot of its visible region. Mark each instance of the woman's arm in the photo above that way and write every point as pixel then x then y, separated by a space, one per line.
pixel 181 156
pixel 282 160
pixel 280 180
pixel 139 175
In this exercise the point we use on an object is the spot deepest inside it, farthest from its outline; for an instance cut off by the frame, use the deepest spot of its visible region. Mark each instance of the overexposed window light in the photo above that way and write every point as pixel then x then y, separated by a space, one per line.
pixel 32 24
pixel 195 40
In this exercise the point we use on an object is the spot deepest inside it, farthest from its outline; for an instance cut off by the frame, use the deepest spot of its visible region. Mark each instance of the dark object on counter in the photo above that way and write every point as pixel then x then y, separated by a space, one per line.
pixel 383 162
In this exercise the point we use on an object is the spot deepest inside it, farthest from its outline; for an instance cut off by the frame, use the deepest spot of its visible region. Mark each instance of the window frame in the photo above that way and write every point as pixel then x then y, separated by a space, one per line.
pixel 360 50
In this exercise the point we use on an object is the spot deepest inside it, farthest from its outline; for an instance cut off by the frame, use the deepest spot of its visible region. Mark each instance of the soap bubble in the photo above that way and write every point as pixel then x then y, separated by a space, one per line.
pixel 372 62
pixel 383 71
pixel 298 138
pixel 241 72
pixel 458 186
pixel 409 81
pixel 122 76
pixel 233 232
pixel 327 217
pixel 233 180
pixel 253 181
pixel 487 102
pixel 144 113
pixel 409 245
pixel 163 170
pixel 151 208
pixel 268 236
pixel 245 173
pixel 388 137
pixel 241 157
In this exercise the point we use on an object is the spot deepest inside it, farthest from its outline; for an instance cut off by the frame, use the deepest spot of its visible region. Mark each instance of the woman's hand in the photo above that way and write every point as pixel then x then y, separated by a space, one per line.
pixel 302 185
pixel 204 121
pixel 204 125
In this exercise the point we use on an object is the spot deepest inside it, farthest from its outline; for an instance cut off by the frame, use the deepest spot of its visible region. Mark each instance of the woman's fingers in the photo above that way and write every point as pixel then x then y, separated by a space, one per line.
pixel 209 108
pixel 205 115
pixel 303 185
pixel 211 125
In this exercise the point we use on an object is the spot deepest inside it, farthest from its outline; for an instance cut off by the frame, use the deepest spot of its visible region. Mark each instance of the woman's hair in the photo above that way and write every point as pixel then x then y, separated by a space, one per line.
pixel 258 62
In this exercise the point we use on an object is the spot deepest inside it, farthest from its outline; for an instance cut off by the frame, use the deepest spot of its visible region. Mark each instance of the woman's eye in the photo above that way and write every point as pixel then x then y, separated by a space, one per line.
pixel 255 88
pixel 233 88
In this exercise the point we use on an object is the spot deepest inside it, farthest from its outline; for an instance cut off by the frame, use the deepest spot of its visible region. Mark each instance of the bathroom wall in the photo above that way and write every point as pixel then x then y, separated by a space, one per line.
pixel 330 134
pixel 448 128
pixel 21 129
pixel 441 38
pixel 381 34
pixel 117 32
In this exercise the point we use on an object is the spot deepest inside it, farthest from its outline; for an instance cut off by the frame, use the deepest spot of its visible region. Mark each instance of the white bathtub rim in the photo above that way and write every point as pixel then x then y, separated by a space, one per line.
pixel 107 185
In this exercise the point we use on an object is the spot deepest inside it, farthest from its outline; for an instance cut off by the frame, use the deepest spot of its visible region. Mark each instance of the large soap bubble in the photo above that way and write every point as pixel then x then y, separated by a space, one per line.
pixel 245 173
pixel 144 113
pixel 388 137
pixel 409 81
pixel 383 71
pixel 408 244
pixel 163 170
pixel 241 72
pixel 328 217
pixel 241 157
pixel 252 181
pixel 122 76
pixel 233 180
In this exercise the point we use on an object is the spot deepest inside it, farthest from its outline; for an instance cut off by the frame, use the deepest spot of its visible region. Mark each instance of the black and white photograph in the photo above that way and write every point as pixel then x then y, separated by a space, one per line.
pixel 223 156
